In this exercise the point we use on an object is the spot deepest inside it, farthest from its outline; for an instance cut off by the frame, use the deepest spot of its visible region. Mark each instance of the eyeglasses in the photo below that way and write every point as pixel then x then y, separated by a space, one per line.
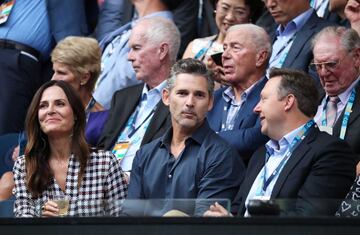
pixel 329 66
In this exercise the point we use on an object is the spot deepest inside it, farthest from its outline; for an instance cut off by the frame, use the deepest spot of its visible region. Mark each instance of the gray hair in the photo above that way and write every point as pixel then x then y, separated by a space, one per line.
pixel 191 66
pixel 349 38
pixel 259 36
pixel 162 30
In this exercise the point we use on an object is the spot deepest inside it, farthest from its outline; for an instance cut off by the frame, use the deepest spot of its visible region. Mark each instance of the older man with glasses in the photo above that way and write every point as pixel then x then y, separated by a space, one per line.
pixel 337 62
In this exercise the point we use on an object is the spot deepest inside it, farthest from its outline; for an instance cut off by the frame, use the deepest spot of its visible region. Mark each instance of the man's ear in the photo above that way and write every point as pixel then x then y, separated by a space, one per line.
pixel 356 56
pixel 165 96
pixel 84 79
pixel 290 101
pixel 163 50
pixel 261 58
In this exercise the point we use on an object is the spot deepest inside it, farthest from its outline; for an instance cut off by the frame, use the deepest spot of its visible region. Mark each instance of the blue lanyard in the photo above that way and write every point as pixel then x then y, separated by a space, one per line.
pixel 297 140
pixel 282 60
pixel 135 129
pixel 200 55
pixel 348 110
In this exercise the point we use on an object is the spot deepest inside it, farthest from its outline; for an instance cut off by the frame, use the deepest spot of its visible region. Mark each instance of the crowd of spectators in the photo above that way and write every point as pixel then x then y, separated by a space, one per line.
pixel 264 104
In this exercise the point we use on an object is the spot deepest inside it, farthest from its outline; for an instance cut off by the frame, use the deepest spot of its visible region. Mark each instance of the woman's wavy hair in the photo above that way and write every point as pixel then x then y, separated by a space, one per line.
pixel 37 152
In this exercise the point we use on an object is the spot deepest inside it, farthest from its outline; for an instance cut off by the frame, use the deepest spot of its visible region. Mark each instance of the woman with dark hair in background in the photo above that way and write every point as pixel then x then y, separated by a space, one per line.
pixel 59 162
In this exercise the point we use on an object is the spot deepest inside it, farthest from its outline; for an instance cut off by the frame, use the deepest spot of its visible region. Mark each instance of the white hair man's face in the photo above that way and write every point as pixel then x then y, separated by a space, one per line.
pixel 144 55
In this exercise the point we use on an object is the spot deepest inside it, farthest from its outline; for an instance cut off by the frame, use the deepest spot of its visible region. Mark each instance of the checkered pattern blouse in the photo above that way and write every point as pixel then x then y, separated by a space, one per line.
pixel 101 191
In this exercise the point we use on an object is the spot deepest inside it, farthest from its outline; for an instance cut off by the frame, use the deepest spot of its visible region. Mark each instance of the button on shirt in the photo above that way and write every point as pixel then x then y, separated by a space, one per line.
pixel 233 106
pixel 207 168
pixel 277 150
pixel 142 115
pixel 344 98
pixel 285 39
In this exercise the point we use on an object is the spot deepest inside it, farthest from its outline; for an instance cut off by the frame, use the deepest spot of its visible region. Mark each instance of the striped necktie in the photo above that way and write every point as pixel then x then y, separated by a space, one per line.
pixel 331 110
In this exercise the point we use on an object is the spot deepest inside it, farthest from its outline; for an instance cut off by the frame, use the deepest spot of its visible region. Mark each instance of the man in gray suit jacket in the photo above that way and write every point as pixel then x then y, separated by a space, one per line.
pixel 137 114
pixel 337 61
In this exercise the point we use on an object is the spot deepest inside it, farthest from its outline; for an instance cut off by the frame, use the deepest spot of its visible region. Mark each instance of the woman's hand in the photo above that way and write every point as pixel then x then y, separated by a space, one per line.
pixel 49 209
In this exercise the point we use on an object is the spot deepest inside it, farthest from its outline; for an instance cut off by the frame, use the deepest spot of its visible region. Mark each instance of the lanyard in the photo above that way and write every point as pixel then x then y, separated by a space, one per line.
pixel 348 110
pixel 225 127
pixel 282 49
pixel 296 141
pixel 134 129
pixel 200 55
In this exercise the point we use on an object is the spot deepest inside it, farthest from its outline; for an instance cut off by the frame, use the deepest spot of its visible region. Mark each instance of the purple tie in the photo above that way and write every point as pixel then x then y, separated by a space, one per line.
pixel 331 110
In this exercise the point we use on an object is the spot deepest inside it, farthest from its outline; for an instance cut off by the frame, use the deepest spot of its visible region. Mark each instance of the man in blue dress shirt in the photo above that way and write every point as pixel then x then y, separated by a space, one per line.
pixel 190 160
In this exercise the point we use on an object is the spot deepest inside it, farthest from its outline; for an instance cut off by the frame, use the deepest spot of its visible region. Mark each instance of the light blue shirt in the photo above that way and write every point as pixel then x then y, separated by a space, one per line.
pixel 116 71
pixel 233 106
pixel 285 38
pixel 140 120
pixel 277 150
pixel 35 32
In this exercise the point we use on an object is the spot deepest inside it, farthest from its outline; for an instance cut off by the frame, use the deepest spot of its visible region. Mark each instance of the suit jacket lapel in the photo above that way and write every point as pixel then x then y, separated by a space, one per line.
pixel 252 172
pixel 251 101
pixel 302 36
pixel 160 115
pixel 296 156
pixel 123 112
pixel 354 114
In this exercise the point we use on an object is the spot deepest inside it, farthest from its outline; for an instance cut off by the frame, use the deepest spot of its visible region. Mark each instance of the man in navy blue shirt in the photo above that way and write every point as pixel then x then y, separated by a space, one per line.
pixel 190 160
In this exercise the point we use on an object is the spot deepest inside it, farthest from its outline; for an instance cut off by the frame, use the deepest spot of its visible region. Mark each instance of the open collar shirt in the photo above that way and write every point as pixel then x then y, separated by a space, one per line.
pixel 277 150
pixel 207 168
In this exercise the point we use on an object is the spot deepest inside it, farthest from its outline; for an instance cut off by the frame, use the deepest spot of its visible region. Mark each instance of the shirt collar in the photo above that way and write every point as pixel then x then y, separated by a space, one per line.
pixel 229 94
pixel 344 97
pixel 295 24
pixel 198 136
pixel 284 143
pixel 158 89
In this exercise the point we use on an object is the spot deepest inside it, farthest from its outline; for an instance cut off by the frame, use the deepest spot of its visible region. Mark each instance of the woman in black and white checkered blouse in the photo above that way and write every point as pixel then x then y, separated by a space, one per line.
pixel 58 161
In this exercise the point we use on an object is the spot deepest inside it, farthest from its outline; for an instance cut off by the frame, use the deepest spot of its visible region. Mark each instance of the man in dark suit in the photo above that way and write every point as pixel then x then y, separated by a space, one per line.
pixel 232 115
pixel 137 114
pixel 337 61
pixel 297 24
pixel 299 162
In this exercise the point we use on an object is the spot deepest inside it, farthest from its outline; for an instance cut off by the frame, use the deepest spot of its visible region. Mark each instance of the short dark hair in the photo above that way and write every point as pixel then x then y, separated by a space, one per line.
pixel 301 85
pixel 191 66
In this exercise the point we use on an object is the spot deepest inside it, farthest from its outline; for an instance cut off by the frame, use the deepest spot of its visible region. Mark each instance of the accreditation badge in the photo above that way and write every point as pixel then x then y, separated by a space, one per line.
pixel 326 129
pixel 120 149
pixel 262 198
pixel 5 9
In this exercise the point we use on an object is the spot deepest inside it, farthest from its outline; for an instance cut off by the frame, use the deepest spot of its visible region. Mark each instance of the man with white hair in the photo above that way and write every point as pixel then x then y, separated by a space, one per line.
pixel 137 114
pixel 247 49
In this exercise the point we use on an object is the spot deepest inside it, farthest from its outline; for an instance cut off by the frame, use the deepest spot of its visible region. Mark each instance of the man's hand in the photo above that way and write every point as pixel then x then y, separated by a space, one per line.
pixel 217 210
pixel 352 12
